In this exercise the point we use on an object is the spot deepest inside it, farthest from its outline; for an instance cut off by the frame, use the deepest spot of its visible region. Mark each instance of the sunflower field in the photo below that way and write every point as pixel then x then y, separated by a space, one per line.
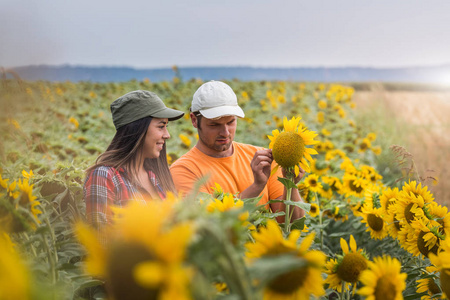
pixel 372 229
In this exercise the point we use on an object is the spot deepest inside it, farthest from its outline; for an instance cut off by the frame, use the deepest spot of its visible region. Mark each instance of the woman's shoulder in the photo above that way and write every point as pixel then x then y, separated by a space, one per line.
pixel 105 171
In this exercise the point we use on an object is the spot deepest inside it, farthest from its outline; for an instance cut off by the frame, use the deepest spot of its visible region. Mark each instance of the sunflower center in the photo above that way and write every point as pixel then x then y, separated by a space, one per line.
pixel 351 266
pixel 277 250
pixel 24 199
pixel 385 289
pixel 288 149
pixel 445 281
pixel 120 265
pixel 320 165
pixel 363 146
pixel 409 216
pixel 397 224
pixel 334 188
pixel 313 209
pixel 375 222
pixel 433 287
pixel 312 182
pixel 289 282
pixel 421 244
pixel 389 203
pixel 354 187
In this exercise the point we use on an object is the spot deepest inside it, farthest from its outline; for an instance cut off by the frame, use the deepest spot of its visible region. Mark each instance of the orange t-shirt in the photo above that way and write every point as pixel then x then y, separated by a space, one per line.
pixel 232 173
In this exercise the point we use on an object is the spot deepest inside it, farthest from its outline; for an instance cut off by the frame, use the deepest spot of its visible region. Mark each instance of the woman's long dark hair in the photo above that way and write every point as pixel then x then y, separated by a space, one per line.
pixel 123 151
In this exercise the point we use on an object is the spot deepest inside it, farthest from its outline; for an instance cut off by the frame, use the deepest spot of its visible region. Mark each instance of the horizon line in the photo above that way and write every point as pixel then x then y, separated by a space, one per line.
pixel 447 64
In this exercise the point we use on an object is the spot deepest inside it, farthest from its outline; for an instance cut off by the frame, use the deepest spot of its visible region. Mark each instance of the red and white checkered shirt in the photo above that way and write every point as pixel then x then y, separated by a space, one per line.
pixel 105 187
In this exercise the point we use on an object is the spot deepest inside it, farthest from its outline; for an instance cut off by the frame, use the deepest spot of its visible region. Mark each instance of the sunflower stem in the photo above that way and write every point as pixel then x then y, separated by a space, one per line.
pixel 320 221
pixel 27 238
pixel 342 295
pixel 287 216
pixel 51 259
pixel 53 240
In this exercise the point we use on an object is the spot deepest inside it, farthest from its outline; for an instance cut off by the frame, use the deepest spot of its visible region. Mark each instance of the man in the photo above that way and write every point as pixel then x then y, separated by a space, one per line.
pixel 236 167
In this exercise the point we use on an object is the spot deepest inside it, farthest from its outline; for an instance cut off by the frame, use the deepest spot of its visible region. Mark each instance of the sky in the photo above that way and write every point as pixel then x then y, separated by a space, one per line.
pixel 259 33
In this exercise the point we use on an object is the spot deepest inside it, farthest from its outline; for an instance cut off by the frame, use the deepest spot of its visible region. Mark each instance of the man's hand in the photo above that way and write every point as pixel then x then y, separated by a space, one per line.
pixel 261 166
pixel 297 179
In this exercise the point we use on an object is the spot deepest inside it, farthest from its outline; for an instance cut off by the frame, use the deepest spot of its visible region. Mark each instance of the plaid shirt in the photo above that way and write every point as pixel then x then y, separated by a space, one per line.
pixel 105 187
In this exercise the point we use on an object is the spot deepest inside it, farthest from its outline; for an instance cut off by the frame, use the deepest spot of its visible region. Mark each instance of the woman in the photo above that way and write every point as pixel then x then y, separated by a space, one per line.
pixel 134 166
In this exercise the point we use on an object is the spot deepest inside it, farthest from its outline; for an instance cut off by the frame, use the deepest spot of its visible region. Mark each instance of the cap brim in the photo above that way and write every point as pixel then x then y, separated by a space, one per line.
pixel 222 111
pixel 169 113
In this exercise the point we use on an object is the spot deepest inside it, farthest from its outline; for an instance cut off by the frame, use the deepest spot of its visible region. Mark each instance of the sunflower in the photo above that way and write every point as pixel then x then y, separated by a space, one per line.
pixel 364 144
pixel 409 206
pixel 333 280
pixel 4 182
pixel 325 132
pixel 300 283
pixel 313 183
pixel 314 211
pixel 347 268
pixel 428 285
pixel 27 198
pixel 319 168
pixel 392 223
pixel 226 204
pixel 354 185
pixel 333 183
pixel 424 239
pixel 374 221
pixel 414 190
pixel 383 280
pixel 28 175
pixel 304 191
pixel 322 104
pixel 376 150
pixel 387 198
pixel 371 175
pixel 441 216
pixel 15 281
pixel 347 166
pixel 335 153
pixel 229 203
pixel 371 136
pixel 185 141
pixel 289 147
pixel 442 263
pixel 143 254
pixel 320 117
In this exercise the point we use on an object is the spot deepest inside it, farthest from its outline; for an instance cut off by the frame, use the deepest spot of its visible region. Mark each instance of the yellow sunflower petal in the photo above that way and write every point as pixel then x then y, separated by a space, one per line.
pixel 148 274
pixel 353 245
pixel 344 246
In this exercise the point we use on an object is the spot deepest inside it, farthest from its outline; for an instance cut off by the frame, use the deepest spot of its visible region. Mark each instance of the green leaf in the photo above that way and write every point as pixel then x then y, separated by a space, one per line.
pixel 268 268
pixel 287 183
pixel 417 296
pixel 298 224
pixel 305 206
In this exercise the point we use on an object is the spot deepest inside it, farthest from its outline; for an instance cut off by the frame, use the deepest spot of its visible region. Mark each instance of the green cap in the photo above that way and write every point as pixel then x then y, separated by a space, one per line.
pixel 139 104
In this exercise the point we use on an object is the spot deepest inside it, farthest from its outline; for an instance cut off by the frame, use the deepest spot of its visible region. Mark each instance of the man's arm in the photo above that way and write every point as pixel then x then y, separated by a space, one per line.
pixel 261 168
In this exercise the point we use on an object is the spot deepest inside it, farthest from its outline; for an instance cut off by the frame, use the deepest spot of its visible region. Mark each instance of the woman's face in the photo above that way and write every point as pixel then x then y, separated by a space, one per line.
pixel 155 138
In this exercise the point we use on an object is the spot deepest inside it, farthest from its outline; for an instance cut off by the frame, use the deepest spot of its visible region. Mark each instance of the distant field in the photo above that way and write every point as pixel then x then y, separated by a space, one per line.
pixel 422 114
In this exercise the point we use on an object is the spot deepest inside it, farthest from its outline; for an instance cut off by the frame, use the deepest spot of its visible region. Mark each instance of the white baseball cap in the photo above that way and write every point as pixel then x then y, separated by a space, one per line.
pixel 215 99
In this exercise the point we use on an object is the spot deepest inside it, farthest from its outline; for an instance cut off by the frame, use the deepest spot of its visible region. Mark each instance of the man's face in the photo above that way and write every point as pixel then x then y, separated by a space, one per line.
pixel 216 135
